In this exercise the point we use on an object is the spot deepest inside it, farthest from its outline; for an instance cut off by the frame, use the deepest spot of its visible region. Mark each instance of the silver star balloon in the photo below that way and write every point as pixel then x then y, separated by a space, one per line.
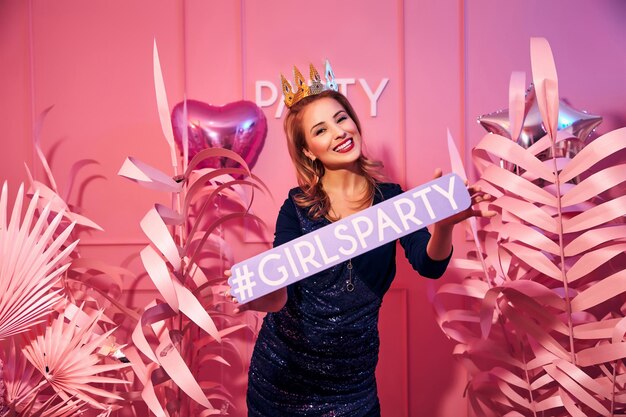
pixel 577 123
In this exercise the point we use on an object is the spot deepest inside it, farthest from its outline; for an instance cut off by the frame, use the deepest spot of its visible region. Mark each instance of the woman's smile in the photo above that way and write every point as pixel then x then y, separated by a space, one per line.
pixel 345 146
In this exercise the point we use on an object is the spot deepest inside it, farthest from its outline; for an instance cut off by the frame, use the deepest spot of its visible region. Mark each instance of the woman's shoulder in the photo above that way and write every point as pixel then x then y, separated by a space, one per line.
pixel 295 191
pixel 292 198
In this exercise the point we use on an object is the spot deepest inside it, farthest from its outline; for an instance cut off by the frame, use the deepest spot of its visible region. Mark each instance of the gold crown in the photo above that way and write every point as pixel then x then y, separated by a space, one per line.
pixel 302 89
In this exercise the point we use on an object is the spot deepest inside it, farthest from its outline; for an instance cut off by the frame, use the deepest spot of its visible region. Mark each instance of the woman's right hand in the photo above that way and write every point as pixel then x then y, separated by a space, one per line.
pixel 271 302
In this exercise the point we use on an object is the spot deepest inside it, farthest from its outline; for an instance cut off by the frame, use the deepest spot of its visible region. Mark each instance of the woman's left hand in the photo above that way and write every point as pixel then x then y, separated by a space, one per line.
pixel 477 196
pixel 440 244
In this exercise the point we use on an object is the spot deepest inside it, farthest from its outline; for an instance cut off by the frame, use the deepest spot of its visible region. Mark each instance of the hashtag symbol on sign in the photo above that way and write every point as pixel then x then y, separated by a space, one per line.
pixel 242 283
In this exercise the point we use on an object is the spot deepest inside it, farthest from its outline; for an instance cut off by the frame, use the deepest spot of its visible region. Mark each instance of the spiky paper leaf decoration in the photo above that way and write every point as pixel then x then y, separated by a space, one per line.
pixel 20 380
pixel 66 355
pixel 541 324
pixel 30 257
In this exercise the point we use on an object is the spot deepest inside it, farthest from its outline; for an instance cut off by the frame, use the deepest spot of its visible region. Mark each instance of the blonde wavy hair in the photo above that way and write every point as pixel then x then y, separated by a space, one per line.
pixel 309 173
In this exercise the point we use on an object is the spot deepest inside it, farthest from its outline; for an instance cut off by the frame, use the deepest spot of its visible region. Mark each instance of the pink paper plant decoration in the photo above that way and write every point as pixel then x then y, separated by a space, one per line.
pixel 52 371
pixel 539 318
pixel 178 333
pixel 31 255
pixel 65 353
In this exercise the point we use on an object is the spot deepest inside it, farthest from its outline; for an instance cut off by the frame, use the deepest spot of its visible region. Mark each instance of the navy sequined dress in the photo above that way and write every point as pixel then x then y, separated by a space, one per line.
pixel 317 355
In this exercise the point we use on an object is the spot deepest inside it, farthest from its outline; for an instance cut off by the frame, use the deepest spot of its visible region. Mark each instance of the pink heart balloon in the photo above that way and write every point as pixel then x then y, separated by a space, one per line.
pixel 240 127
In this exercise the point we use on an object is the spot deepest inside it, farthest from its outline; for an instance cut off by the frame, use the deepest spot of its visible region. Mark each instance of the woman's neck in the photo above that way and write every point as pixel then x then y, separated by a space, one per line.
pixel 347 182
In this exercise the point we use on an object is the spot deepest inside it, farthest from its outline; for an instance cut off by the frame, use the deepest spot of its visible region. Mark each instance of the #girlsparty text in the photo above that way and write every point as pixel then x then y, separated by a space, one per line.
pixel 348 237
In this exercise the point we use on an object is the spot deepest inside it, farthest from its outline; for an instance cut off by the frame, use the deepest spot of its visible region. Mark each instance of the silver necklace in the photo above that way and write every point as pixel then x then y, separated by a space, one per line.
pixel 349 283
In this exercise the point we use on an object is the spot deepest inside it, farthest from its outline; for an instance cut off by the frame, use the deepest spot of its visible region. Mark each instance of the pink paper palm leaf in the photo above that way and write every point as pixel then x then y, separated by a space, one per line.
pixel 66 355
pixel 556 257
pixel 30 255
pixel 21 380
pixel 60 409
pixel 24 385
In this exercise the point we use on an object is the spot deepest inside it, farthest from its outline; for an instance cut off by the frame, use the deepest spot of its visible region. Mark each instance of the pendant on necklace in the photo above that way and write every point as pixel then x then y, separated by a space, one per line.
pixel 349 283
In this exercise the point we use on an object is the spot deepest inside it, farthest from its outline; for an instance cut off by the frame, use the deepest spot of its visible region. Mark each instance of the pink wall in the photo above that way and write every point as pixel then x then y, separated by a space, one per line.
pixel 447 63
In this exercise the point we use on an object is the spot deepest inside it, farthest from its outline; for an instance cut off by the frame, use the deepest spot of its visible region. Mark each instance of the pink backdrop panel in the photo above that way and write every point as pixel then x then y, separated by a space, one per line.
pixel 434 85
pixel 434 73
pixel 15 88
pixel 212 51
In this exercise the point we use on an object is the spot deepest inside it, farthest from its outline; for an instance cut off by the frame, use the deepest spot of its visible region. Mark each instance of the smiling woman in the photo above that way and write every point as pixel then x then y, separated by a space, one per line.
pixel 317 350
